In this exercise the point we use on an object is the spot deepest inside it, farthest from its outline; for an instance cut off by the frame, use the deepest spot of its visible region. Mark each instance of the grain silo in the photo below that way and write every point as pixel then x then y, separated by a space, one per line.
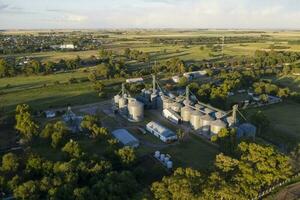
pixel 136 110
pixel 176 107
pixel 216 126
pixel 219 115
pixel 205 123
pixel 208 110
pixel 167 103
pixel 186 113
pixel 122 102
pixel 116 99
pixel 198 106
pixel 195 119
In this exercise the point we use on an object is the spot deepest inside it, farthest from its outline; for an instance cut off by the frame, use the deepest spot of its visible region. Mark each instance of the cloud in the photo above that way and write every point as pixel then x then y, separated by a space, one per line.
pixel 3 6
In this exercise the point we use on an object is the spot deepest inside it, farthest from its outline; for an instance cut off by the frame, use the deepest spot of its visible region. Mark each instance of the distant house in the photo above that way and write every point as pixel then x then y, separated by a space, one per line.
pixel 64 46
pixel 195 74
pixel 175 79
pixel 135 80
pixel 123 136
pixel 161 132
pixel 50 114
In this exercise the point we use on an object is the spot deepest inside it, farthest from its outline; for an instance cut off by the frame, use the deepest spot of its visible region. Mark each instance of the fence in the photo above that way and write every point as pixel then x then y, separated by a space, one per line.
pixel 271 189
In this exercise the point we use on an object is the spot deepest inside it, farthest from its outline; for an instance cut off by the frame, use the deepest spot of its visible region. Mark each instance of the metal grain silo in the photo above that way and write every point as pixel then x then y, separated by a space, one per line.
pixel 187 102
pixel 230 121
pixel 208 110
pixel 122 102
pixel 167 103
pixel 195 119
pixel 217 125
pixel 176 107
pixel 198 106
pixel 186 113
pixel 136 110
pixel 116 99
pixel 205 122
pixel 219 115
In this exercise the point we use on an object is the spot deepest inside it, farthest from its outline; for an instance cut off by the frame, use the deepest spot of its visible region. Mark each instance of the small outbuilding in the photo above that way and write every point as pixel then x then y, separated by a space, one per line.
pixel 127 139
pixel 246 130
pixel 135 80
pixel 50 114
pixel 164 134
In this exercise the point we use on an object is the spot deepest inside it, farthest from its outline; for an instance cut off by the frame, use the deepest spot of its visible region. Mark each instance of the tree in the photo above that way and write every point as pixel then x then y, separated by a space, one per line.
pixel 183 184
pixel 10 163
pixel 58 134
pixel 24 122
pixel 295 156
pixel 260 167
pixel 89 121
pixel 92 77
pixel 183 81
pixel 180 134
pixel 260 120
pixel 4 68
pixel 126 155
pixel 27 190
pixel 73 149
pixel 47 131
pixel 99 132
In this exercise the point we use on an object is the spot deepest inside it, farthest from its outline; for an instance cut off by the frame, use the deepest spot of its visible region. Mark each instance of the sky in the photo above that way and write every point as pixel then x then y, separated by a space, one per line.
pixel 96 14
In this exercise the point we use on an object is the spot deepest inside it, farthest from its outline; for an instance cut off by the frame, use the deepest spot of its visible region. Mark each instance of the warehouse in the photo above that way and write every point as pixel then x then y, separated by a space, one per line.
pixel 123 136
pixel 161 132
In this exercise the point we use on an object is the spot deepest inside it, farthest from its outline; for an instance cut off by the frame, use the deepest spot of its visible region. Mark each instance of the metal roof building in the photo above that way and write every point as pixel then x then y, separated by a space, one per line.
pixel 164 134
pixel 126 138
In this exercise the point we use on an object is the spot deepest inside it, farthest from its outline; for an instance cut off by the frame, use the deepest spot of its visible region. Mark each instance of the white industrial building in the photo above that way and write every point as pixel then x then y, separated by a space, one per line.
pixel 195 74
pixel 123 136
pixel 164 134
pixel 135 80
pixel 171 115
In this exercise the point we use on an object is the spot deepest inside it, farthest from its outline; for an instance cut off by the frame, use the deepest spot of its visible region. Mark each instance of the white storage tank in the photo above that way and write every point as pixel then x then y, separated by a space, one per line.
pixel 162 157
pixel 198 106
pixel 187 102
pixel 176 107
pixel 195 119
pixel 116 99
pixel 136 110
pixel 217 125
pixel 167 159
pixel 167 103
pixel 122 102
pixel 219 115
pixel 157 154
pixel 205 123
pixel 169 164
pixel 208 110
pixel 186 113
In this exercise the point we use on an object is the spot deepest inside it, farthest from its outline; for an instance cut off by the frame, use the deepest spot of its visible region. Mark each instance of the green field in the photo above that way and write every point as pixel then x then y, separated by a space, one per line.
pixel 284 123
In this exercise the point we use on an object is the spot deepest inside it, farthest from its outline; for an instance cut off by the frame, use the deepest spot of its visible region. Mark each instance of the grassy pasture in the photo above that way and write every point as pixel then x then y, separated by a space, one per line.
pixel 284 123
